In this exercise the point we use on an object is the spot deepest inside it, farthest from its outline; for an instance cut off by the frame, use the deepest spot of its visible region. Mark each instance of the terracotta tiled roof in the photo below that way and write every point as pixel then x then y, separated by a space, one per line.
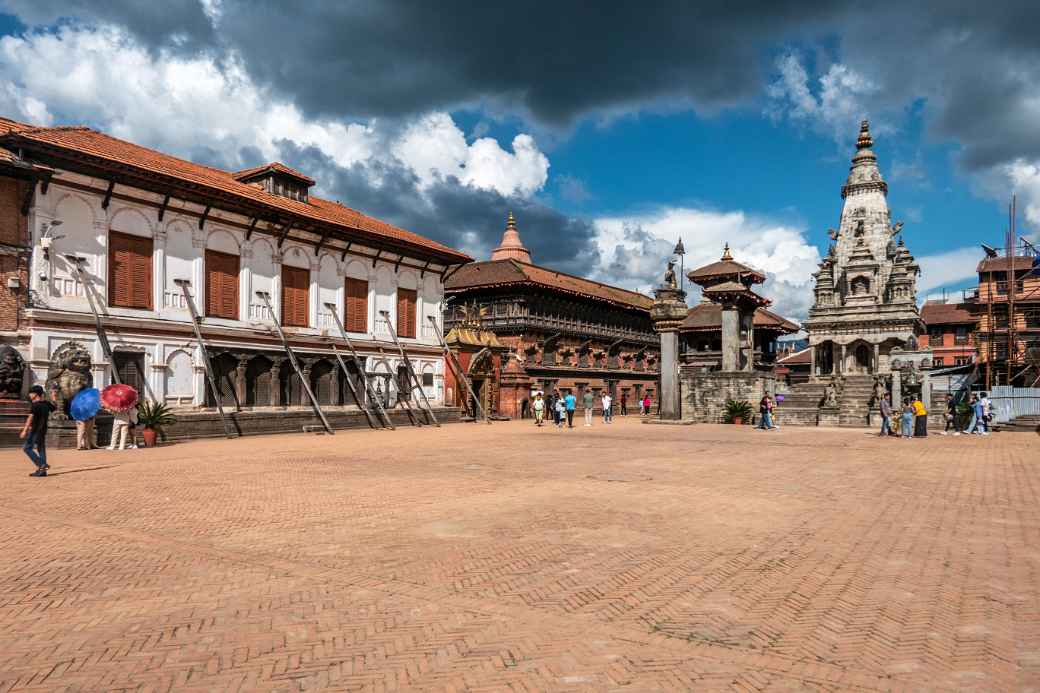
pixel 1001 264
pixel 105 149
pixel 277 167
pixel 947 314
pixel 803 357
pixel 708 316
pixel 512 272
pixel 722 268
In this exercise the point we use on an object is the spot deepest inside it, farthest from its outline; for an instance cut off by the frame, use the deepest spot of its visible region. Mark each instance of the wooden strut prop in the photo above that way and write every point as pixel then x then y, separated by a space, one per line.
pixel 106 348
pixel 196 322
pixel 454 364
pixel 416 383
pixel 295 364
pixel 373 422
pixel 370 396
pixel 405 402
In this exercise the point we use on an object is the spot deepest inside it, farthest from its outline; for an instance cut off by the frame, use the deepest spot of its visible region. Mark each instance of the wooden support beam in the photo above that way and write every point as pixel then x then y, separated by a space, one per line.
pixel 162 209
pixel 45 183
pixel 284 233
pixel 108 194
pixel 376 258
pixel 398 263
pixel 27 199
pixel 252 227
pixel 317 248
pixel 205 215
pixel 448 271
pixel 345 251
pixel 422 272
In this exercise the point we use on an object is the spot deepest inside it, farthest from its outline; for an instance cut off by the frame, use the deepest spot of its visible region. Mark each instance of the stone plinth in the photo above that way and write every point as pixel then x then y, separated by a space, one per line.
pixel 668 312
pixel 829 416
pixel 705 393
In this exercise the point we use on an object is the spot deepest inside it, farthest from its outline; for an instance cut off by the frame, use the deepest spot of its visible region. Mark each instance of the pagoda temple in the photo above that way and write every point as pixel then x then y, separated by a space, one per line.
pixel 865 295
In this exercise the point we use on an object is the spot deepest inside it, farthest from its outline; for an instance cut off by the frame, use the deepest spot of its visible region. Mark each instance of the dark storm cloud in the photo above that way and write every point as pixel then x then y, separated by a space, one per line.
pixel 457 215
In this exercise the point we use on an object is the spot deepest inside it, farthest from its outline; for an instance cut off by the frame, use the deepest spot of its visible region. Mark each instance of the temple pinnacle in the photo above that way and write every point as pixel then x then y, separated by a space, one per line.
pixel 511 247
pixel 865 141
pixel 726 254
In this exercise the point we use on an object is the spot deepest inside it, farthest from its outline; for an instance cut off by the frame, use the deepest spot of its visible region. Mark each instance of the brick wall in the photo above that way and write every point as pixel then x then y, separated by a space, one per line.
pixel 13 231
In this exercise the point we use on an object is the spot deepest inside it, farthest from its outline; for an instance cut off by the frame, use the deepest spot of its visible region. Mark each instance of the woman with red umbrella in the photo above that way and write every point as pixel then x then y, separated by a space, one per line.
pixel 121 401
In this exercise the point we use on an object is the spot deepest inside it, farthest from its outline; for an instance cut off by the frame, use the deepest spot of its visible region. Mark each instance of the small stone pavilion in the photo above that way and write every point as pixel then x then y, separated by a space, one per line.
pixel 700 394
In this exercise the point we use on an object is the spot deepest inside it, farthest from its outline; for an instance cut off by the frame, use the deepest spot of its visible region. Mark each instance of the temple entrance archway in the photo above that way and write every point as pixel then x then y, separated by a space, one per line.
pixel 825 358
pixel 859 358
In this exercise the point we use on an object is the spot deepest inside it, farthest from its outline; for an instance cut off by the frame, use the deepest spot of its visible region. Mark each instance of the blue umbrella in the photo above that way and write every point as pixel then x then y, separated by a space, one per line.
pixel 85 404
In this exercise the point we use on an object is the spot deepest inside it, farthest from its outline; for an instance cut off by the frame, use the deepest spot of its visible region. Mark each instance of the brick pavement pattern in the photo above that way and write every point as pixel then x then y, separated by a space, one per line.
pixel 505 557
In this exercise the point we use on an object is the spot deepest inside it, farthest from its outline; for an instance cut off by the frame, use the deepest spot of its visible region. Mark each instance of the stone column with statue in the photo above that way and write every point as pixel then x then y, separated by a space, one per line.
pixel 668 311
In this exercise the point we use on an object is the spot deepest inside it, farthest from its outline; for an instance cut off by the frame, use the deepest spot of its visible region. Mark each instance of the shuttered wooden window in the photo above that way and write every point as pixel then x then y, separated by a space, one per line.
pixel 406 300
pixel 221 285
pixel 357 305
pixel 129 271
pixel 295 296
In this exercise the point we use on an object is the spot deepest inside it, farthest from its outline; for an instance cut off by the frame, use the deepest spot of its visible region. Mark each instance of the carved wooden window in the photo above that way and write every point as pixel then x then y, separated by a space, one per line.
pixel 295 296
pixel 129 271
pixel 221 285
pixel 357 305
pixel 406 301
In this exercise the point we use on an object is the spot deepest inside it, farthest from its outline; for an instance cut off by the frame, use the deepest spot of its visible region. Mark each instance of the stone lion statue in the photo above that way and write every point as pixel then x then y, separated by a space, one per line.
pixel 69 373
pixel 12 368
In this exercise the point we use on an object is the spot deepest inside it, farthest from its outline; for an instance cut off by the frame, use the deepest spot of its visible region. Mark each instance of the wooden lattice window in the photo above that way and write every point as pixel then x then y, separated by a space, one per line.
pixel 406 302
pixel 129 271
pixel 357 305
pixel 221 285
pixel 295 296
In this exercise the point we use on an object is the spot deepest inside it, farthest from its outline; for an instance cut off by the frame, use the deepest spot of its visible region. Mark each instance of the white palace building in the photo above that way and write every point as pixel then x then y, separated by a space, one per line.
pixel 141 220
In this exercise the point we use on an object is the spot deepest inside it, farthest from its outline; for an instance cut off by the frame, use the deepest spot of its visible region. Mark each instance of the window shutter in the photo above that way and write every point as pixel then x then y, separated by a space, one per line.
pixel 295 294
pixel 221 285
pixel 129 271
pixel 406 299
pixel 357 305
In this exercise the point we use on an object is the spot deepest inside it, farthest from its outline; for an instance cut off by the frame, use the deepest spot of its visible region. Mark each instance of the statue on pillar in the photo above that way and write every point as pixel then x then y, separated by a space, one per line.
pixel 669 277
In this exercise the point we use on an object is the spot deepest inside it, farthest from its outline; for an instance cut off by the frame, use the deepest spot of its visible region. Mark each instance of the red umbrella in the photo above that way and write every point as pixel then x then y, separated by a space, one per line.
pixel 118 397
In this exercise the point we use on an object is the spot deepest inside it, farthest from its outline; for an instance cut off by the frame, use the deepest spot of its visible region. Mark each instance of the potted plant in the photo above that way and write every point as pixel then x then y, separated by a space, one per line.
pixel 153 416
pixel 738 411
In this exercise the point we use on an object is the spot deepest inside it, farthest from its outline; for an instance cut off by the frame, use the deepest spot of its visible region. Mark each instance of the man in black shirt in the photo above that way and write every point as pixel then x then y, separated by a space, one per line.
pixel 35 430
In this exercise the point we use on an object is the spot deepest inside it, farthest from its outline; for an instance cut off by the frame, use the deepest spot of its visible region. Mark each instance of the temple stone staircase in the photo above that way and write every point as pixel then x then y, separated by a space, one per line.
pixel 801 406
pixel 12 418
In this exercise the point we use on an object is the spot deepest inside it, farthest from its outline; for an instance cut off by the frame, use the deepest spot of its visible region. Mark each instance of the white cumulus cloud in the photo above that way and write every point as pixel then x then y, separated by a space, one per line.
pixel 197 106
pixel 634 250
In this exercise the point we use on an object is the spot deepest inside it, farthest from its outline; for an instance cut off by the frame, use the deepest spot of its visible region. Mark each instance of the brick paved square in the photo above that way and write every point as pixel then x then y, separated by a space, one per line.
pixel 505 557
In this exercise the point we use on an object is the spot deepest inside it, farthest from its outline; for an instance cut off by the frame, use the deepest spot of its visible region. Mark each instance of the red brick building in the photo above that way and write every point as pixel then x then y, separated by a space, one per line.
pixel 949 333
pixel 563 332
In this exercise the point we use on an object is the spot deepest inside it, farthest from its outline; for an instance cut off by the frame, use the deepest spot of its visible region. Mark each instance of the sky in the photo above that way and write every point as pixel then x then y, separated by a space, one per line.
pixel 609 130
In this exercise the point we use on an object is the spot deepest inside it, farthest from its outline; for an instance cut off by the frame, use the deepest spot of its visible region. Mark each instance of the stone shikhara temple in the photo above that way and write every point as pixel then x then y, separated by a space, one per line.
pixel 140 220
pixel 866 297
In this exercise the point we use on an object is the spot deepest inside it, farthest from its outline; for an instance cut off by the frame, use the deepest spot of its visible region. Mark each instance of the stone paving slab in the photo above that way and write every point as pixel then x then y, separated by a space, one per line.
pixel 506 557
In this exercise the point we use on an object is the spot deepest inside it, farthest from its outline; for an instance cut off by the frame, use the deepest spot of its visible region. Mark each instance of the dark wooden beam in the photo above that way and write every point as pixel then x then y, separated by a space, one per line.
pixel 284 233
pixel 45 183
pixel 345 251
pixel 252 227
pixel 162 209
pixel 422 272
pixel 205 215
pixel 376 258
pixel 398 263
pixel 108 194
pixel 317 248
pixel 450 270
pixel 27 199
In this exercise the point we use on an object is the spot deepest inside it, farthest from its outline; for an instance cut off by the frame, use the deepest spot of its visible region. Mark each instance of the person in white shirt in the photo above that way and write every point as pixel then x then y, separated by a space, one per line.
pixel 607 414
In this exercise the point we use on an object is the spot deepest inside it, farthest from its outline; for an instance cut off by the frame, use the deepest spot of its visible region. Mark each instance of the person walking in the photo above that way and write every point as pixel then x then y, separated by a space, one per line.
pixel 978 417
pixel 987 413
pixel 646 405
pixel 34 432
pixel 950 417
pixel 561 412
pixel 588 402
pixel 886 415
pixel 906 424
pixel 120 427
pixel 539 410
pixel 570 403
pixel 765 412
pixel 624 404
pixel 642 409
pixel 552 407
pixel 608 416
pixel 920 418
pixel 85 434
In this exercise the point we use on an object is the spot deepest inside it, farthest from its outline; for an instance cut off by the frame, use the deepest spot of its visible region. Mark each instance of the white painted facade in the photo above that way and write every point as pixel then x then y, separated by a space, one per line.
pixel 60 310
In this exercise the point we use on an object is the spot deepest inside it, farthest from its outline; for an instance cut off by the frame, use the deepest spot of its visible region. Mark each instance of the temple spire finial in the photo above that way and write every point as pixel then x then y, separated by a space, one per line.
pixel 510 221
pixel 511 247
pixel 726 254
pixel 865 141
